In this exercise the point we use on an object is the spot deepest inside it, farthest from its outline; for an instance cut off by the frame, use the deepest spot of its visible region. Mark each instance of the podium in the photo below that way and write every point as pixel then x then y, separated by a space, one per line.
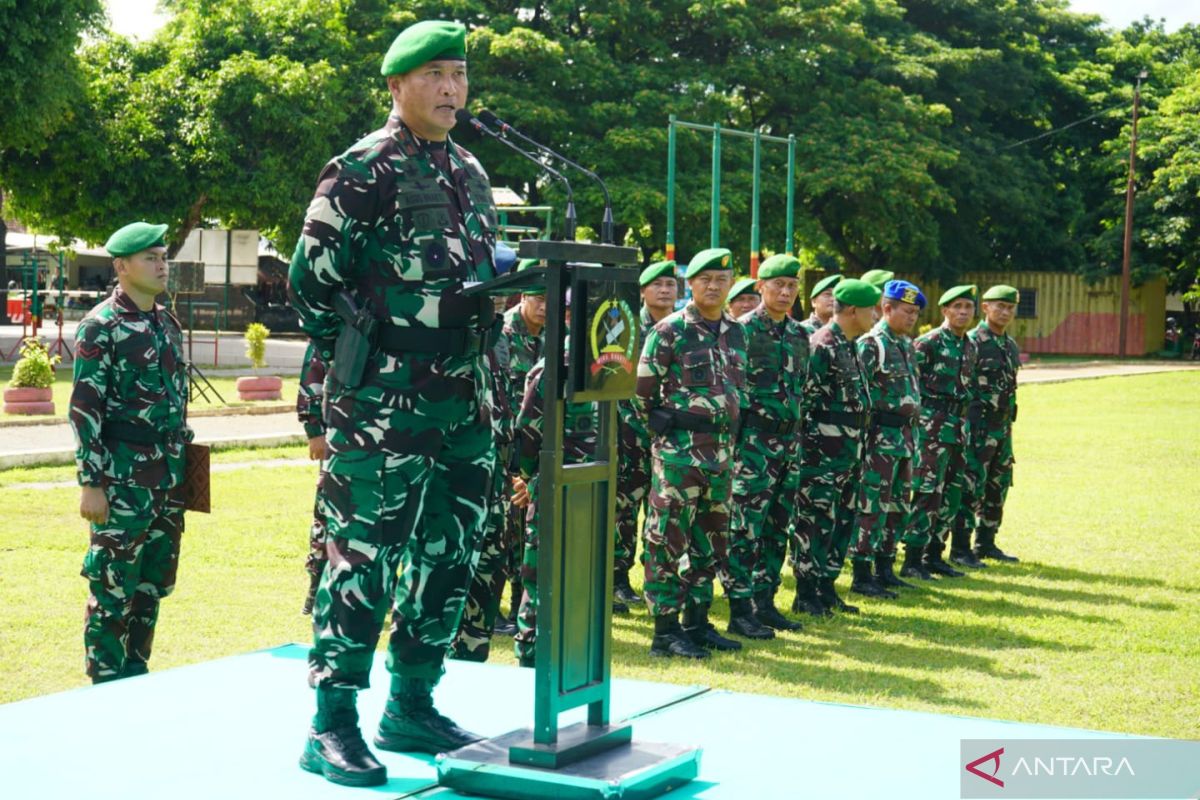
pixel 596 758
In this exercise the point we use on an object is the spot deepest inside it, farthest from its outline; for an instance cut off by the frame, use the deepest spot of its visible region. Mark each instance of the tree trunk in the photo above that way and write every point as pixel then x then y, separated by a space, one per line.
pixel 190 221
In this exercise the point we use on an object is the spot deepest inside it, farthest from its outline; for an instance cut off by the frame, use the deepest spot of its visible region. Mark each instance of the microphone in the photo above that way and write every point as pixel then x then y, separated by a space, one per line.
pixel 606 226
pixel 569 219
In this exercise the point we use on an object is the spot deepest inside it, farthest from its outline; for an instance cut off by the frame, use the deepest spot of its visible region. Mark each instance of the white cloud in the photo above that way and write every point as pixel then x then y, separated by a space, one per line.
pixel 1119 13
pixel 135 18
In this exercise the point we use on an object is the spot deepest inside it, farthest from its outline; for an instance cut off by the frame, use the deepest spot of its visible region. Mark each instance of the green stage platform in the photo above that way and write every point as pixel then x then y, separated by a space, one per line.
pixel 233 728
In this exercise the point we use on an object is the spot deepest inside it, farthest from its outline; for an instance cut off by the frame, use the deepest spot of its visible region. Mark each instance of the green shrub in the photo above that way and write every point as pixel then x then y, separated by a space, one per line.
pixel 35 368
pixel 256 344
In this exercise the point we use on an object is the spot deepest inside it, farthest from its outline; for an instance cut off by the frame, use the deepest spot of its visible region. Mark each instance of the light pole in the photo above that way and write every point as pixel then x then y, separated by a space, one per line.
pixel 1123 328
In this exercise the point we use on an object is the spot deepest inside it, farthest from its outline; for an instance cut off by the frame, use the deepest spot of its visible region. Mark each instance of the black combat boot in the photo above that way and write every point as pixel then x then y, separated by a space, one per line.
pixel 743 622
pixel 313 582
pixel 808 598
pixel 768 614
pixel 410 723
pixel 864 582
pixel 935 564
pixel 832 599
pixel 702 632
pixel 503 627
pixel 960 547
pixel 335 746
pixel 516 590
pixel 623 593
pixel 134 667
pixel 985 547
pixel 913 566
pixel 885 574
pixel 670 639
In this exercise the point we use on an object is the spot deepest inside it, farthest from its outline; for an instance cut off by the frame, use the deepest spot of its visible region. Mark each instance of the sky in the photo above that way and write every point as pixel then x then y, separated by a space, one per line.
pixel 139 18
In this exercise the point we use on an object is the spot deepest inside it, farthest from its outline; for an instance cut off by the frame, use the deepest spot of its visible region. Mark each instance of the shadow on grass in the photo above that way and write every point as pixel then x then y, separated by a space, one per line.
pixel 1056 573
pixel 1018 590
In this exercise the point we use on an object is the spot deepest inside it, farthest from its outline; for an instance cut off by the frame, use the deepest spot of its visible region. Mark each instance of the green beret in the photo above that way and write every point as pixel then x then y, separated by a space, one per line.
pixel 134 238
pixel 825 284
pixel 713 258
pixel 955 292
pixel 878 277
pixel 655 271
pixel 855 292
pixel 432 40
pixel 743 286
pixel 779 266
pixel 529 263
pixel 1001 292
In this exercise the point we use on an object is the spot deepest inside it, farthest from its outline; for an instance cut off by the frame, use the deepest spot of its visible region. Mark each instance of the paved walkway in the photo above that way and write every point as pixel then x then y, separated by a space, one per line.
pixel 54 444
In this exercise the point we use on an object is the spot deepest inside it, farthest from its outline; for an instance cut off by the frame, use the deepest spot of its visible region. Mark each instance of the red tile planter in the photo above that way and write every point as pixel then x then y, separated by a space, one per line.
pixel 28 401
pixel 260 387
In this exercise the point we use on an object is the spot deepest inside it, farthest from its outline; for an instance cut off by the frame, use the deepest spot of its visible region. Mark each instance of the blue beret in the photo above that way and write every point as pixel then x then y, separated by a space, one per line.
pixel 506 258
pixel 905 292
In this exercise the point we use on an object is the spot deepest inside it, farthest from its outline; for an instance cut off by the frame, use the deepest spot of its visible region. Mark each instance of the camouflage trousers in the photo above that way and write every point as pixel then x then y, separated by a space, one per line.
pixel 934 506
pixel 829 470
pixel 525 640
pixel 421 508
pixel 990 476
pixel 314 564
pixel 474 639
pixel 686 535
pixel 763 515
pixel 633 484
pixel 130 566
pixel 881 505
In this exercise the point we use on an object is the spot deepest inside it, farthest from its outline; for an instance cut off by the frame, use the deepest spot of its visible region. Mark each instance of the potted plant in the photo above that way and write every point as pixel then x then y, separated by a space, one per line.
pixel 29 390
pixel 258 387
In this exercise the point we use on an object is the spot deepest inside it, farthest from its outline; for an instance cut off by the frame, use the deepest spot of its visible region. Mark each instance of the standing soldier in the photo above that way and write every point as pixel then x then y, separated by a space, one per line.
pixel 743 298
pixel 879 279
pixel 766 466
pixel 397 226
pixel 991 441
pixel 521 339
pixel 946 374
pixel 689 392
pixel 835 422
pixel 659 292
pixel 128 413
pixel 889 364
pixel 822 304
pixel 309 401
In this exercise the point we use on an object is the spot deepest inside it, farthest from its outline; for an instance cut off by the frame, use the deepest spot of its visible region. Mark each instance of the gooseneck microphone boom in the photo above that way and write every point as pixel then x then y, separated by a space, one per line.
pixel 606 226
pixel 465 117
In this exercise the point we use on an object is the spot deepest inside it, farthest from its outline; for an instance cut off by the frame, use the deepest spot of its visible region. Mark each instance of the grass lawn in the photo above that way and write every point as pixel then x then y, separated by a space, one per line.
pixel 1097 627
pixel 226 386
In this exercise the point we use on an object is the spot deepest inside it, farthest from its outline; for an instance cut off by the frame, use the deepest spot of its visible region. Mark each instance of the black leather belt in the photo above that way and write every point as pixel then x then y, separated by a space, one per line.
pixel 849 419
pixel 945 404
pixel 688 421
pixel 138 433
pixel 765 424
pixel 889 419
pixel 396 339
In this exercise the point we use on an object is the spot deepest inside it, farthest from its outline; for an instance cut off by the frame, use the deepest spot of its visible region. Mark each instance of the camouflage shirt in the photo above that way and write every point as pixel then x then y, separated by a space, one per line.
pixel 522 350
pixel 627 409
pixel 812 324
pixel 776 365
pixel 889 365
pixel 946 375
pixel 688 366
pixel 129 370
pixel 403 223
pixel 997 365
pixel 311 393
pixel 835 383
pixel 580 423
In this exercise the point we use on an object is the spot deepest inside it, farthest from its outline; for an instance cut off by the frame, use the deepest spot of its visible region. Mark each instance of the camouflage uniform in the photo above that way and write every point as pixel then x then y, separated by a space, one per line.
pixel 633 472
pixel 474 639
pixel 946 374
pixel 580 424
pixel 836 404
pixel 990 459
pixel 128 410
pixel 812 324
pixel 889 366
pixel 402 223
pixel 308 408
pixel 767 462
pixel 688 368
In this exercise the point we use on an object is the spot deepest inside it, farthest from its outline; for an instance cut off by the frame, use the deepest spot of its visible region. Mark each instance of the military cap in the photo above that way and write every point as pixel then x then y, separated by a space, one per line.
pixel 655 271
pixel 855 292
pixel 954 292
pixel 431 40
pixel 530 263
pixel 712 258
pixel 134 238
pixel 779 266
pixel 905 292
pixel 825 284
pixel 1002 292
pixel 506 258
pixel 878 277
pixel 744 286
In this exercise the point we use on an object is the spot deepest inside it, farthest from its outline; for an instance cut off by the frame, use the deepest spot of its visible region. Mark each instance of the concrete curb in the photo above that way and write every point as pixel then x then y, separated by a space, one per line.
pixel 52 456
